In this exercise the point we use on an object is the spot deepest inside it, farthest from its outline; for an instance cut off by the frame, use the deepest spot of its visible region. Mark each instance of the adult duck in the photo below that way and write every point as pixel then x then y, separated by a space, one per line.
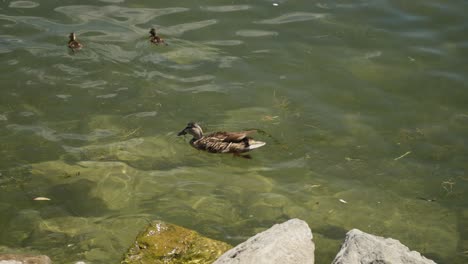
pixel 221 142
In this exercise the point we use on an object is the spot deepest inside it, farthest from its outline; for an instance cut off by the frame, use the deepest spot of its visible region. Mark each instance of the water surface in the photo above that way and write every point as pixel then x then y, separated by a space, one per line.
pixel 363 102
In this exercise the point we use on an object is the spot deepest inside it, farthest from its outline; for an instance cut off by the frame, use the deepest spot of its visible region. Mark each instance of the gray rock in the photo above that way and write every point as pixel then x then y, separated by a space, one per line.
pixel 363 248
pixel 24 259
pixel 286 243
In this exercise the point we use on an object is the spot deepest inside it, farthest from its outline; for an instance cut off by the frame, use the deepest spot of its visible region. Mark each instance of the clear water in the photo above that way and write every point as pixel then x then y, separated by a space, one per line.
pixel 363 101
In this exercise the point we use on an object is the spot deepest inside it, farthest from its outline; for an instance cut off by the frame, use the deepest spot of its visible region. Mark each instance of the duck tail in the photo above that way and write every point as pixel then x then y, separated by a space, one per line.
pixel 256 144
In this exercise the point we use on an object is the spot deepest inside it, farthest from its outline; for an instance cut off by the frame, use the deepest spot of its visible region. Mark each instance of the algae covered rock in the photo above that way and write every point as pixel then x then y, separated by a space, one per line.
pixel 167 243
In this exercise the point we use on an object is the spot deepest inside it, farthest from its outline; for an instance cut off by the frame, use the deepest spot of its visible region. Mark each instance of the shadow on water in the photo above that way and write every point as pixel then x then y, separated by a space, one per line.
pixel 331 232
pixel 76 198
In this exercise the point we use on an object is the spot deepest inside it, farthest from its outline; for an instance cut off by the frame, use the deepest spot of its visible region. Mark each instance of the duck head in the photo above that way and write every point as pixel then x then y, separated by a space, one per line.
pixel 72 36
pixel 193 129
pixel 153 32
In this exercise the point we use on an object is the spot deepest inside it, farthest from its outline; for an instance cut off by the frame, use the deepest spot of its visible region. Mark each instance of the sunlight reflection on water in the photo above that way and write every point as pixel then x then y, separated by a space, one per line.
pixel 339 91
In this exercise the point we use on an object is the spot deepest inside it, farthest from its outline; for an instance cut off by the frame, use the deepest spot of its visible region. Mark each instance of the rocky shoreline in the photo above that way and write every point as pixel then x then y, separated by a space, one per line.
pixel 290 242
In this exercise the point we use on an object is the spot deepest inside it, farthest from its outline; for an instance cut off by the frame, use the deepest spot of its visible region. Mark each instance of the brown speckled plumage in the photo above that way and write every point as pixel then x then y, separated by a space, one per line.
pixel 155 39
pixel 221 142
pixel 73 43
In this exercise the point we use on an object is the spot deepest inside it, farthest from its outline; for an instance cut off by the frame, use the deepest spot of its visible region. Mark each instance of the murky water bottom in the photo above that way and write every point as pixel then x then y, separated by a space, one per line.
pixel 362 106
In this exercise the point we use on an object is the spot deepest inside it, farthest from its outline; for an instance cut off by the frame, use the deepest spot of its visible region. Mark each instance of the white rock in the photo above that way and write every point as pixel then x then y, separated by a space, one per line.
pixel 286 243
pixel 23 259
pixel 362 248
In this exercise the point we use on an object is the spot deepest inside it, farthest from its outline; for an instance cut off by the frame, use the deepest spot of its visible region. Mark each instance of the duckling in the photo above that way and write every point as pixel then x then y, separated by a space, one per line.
pixel 73 43
pixel 221 142
pixel 155 39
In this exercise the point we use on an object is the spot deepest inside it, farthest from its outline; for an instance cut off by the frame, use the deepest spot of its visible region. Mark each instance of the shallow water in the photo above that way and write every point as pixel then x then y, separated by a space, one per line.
pixel 359 101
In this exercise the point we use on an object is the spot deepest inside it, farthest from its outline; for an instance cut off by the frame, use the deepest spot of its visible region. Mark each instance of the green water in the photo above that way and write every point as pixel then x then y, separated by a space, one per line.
pixel 363 101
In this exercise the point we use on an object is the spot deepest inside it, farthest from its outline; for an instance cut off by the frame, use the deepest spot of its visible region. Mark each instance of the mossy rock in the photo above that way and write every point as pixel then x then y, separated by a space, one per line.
pixel 170 244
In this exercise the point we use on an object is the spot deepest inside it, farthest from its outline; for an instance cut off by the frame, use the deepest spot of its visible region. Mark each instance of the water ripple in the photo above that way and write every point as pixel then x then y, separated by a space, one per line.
pixel 40 74
pixel 114 52
pixel 8 43
pixel 190 55
pixel 125 15
pixel 226 62
pixel 255 33
pixel 292 17
pixel 44 132
pixel 23 4
pixel 98 84
pixel 182 28
pixel 63 96
pixel 226 8
pixel 107 96
pixel 373 54
pixel 112 1
pixel 154 74
pixel 143 114
pixel 203 88
pixel 52 135
pixel 224 42
pixel 226 66
pixel 39 23
pixel 71 70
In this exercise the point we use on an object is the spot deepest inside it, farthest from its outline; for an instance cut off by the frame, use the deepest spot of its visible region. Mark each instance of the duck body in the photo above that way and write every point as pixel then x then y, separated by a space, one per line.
pixel 155 39
pixel 221 142
pixel 73 43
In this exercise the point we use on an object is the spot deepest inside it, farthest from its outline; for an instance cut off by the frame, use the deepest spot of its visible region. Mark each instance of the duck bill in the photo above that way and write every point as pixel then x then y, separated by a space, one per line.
pixel 181 133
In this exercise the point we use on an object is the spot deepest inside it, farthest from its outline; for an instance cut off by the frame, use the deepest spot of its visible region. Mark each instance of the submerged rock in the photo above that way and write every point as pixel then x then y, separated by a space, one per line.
pixel 360 248
pixel 170 244
pixel 289 242
pixel 26 259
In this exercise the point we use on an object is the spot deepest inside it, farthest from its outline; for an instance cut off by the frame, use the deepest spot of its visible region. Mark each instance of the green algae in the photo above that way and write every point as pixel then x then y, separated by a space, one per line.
pixel 212 209
pixel 414 222
pixel 138 152
pixel 242 200
pixel 267 206
pixel 91 238
pixel 170 244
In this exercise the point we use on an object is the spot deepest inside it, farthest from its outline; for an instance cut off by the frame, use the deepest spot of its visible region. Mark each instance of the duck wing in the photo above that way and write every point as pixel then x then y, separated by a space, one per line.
pixel 234 137
pixel 227 142
pixel 73 44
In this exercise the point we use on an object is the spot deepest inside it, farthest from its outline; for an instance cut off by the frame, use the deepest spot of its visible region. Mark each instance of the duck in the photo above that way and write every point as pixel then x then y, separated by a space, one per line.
pixel 221 142
pixel 73 43
pixel 155 39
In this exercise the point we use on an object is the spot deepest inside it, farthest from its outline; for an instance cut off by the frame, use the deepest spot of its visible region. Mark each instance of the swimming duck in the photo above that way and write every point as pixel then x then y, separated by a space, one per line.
pixel 221 142
pixel 73 44
pixel 155 39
